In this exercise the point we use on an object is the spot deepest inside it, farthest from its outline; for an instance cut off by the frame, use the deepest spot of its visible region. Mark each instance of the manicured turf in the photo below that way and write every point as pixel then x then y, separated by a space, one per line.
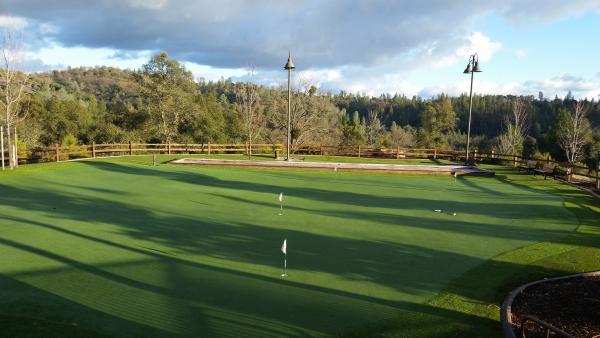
pixel 120 248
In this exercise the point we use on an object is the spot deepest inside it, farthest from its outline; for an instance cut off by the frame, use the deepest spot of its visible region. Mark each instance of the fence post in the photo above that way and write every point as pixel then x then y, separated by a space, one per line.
pixel 208 147
pixel 493 154
pixel 321 149
pixel 435 153
pixel 514 161
pixel 93 149
pixel 169 147
pixel 57 149
pixel 130 152
pixel 397 152
pixel 359 151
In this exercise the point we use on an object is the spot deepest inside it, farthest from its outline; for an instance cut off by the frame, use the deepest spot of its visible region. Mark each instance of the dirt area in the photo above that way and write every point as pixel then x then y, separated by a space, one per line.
pixel 572 305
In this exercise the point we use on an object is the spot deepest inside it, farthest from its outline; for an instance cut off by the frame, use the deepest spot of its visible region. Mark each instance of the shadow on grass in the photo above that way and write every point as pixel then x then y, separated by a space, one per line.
pixel 209 299
pixel 28 311
pixel 216 300
pixel 345 197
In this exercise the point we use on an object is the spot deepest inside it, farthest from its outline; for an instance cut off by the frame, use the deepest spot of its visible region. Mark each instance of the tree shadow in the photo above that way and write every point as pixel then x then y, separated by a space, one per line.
pixel 501 208
pixel 213 299
pixel 226 302
pixel 29 311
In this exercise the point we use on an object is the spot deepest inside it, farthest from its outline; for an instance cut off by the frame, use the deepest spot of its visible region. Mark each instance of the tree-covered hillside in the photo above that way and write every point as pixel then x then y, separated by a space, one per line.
pixel 161 102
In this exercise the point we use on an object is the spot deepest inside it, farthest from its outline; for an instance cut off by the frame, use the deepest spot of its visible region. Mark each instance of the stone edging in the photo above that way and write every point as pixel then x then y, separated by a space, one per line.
pixel 595 194
pixel 506 312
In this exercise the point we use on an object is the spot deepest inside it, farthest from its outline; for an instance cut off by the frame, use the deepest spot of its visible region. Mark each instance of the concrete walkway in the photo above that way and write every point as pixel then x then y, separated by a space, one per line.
pixel 450 169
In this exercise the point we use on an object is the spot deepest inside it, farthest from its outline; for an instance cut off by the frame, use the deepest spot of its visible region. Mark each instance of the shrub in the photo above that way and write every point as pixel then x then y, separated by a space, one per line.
pixel 69 140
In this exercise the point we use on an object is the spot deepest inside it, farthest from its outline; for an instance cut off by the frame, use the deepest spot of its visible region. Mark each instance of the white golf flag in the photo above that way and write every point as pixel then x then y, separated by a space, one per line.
pixel 280 197
pixel 284 247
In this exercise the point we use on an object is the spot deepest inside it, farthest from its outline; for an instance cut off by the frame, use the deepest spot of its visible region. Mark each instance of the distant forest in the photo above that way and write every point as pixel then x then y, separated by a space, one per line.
pixel 161 102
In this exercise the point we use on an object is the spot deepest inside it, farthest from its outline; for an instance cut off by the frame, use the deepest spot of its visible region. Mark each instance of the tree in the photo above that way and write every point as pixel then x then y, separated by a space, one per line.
pixel 437 119
pixel 167 89
pixel 15 88
pixel 247 97
pixel 374 128
pixel 314 117
pixel 353 130
pixel 402 136
pixel 575 133
pixel 516 128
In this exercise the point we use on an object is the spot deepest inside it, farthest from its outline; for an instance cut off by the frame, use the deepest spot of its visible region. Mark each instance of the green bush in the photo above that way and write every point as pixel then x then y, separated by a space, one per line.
pixel 69 140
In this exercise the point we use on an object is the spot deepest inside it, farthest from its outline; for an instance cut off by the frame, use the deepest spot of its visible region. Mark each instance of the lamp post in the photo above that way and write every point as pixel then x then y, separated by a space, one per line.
pixel 472 67
pixel 289 66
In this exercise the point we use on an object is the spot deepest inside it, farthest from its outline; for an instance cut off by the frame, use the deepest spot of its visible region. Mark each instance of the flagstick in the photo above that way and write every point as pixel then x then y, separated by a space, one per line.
pixel 284 267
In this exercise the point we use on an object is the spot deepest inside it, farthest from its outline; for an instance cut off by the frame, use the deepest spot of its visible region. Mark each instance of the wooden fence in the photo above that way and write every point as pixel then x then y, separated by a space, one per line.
pixel 57 153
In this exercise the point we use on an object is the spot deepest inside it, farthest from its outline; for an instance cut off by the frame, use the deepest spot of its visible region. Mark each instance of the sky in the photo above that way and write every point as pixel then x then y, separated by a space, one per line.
pixel 369 47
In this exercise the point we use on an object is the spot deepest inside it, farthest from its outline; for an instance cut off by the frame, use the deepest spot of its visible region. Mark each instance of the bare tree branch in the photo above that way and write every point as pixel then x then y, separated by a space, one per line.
pixel 14 87
pixel 575 134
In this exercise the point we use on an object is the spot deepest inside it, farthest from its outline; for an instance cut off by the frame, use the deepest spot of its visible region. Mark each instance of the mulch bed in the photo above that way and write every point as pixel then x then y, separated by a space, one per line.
pixel 572 305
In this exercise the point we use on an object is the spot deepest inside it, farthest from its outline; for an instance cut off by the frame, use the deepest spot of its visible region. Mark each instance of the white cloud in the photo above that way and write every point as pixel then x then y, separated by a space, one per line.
pixel 557 85
pixel 208 73
pixel 480 44
pixel 521 54
pixel 148 4
pixel 12 22
pixel 562 84
pixel 437 55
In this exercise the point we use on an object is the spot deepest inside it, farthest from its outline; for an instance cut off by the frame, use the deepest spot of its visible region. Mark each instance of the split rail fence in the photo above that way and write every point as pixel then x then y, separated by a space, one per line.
pixel 57 153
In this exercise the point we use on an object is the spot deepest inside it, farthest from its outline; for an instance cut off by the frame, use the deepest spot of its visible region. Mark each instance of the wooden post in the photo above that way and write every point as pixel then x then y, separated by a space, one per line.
pixel 514 161
pixel 435 153
pixel 208 147
pixel 359 151
pixel 93 149
pixel 169 147
pixel 57 149
pixel 2 144
pixel 130 150
pixel 397 152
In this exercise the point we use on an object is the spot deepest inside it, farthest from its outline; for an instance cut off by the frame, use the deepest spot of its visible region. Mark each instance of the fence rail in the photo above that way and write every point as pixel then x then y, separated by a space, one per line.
pixel 57 153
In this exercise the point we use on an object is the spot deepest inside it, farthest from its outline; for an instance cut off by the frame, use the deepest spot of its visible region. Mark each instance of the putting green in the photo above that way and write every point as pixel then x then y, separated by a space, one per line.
pixel 124 249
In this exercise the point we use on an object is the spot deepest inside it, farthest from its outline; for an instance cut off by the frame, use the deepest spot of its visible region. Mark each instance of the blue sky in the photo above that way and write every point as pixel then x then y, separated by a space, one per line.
pixel 372 47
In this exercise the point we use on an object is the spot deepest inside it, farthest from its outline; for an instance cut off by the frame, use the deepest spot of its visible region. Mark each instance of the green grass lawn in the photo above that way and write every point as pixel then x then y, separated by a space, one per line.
pixel 120 248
